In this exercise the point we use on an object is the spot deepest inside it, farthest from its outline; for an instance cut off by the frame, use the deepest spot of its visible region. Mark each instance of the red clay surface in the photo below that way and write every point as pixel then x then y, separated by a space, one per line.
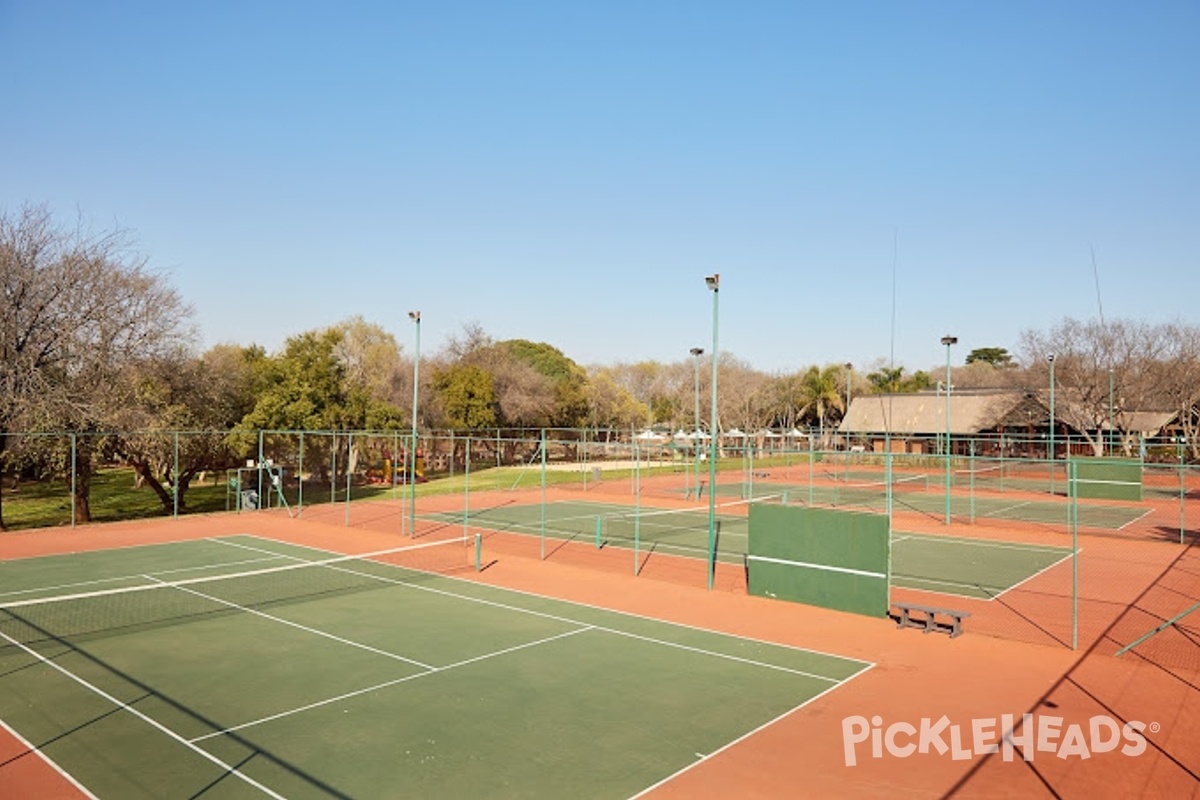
pixel 1128 585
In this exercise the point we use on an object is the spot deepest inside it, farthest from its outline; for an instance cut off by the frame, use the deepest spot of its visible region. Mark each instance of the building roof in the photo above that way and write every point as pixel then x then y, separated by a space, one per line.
pixel 1147 423
pixel 917 413
pixel 975 410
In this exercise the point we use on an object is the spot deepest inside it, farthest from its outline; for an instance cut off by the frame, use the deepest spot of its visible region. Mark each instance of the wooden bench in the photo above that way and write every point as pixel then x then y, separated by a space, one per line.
pixel 927 618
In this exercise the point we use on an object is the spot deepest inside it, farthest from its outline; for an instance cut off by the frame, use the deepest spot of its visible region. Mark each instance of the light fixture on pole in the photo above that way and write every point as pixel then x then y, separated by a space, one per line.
pixel 947 341
pixel 415 316
pixel 1050 452
pixel 696 353
pixel 714 284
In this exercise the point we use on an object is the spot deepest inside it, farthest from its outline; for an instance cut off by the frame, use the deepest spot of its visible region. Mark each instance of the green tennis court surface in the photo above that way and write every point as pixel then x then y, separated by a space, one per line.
pixel 981 568
pixel 263 669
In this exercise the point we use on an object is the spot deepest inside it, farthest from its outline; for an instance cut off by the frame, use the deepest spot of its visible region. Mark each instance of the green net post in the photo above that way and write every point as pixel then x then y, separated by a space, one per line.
pixel 785 497
pixel 599 528
pixel 478 552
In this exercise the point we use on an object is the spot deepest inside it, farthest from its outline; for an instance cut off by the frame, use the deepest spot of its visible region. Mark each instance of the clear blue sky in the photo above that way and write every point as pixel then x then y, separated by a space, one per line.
pixel 569 172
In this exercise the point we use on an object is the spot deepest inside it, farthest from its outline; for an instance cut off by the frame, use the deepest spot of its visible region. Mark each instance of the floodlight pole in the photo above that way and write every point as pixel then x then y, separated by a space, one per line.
pixel 849 383
pixel 1110 411
pixel 696 353
pixel 1051 454
pixel 948 340
pixel 415 316
pixel 714 284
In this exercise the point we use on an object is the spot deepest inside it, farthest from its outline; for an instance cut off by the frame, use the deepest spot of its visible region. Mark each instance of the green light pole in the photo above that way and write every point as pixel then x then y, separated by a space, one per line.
pixel 415 316
pixel 948 340
pixel 1110 411
pixel 849 383
pixel 714 283
pixel 696 353
pixel 1051 453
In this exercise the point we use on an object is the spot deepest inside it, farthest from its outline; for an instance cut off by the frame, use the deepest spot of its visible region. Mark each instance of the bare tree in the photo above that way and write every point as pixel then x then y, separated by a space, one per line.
pixel 78 309
pixel 1101 370
pixel 1177 380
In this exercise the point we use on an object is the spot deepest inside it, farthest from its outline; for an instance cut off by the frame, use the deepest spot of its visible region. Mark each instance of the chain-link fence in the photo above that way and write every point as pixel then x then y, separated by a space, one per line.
pixel 981 525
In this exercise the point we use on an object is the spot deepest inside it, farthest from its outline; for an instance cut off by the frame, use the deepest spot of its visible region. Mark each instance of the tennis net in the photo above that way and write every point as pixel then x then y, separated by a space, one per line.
pixel 153 602
pixel 684 526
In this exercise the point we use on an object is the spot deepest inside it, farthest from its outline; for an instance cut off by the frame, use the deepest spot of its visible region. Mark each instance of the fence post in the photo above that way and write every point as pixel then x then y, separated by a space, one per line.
pixel 466 485
pixel 1073 514
pixel 175 477
pixel 73 465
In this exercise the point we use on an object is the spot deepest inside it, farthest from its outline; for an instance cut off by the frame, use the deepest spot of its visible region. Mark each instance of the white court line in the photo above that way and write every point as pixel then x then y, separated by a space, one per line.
pixel 1039 572
pixel 77 584
pixel 745 736
pixel 898 578
pixel 1142 516
pixel 569 620
pixel 825 567
pixel 385 684
pixel 117 547
pixel 1000 545
pixel 1005 509
pixel 296 625
pixel 48 761
pixel 523 593
pixel 228 768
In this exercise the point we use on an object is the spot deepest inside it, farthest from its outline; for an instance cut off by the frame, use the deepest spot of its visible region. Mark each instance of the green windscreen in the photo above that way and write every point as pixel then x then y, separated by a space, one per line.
pixel 822 557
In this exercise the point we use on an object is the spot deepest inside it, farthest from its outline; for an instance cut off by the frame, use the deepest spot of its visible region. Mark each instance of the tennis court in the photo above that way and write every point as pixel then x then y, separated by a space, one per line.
pixel 978 568
pixel 241 666
pixel 969 567
pixel 925 494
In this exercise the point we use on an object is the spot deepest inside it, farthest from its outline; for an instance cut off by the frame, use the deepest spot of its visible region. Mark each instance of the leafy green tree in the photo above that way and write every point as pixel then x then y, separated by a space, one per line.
pixel 996 356
pixel 306 387
pixel 919 381
pixel 611 405
pixel 176 427
pixel 821 393
pixel 892 380
pixel 886 380
pixel 466 397
pixel 569 379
